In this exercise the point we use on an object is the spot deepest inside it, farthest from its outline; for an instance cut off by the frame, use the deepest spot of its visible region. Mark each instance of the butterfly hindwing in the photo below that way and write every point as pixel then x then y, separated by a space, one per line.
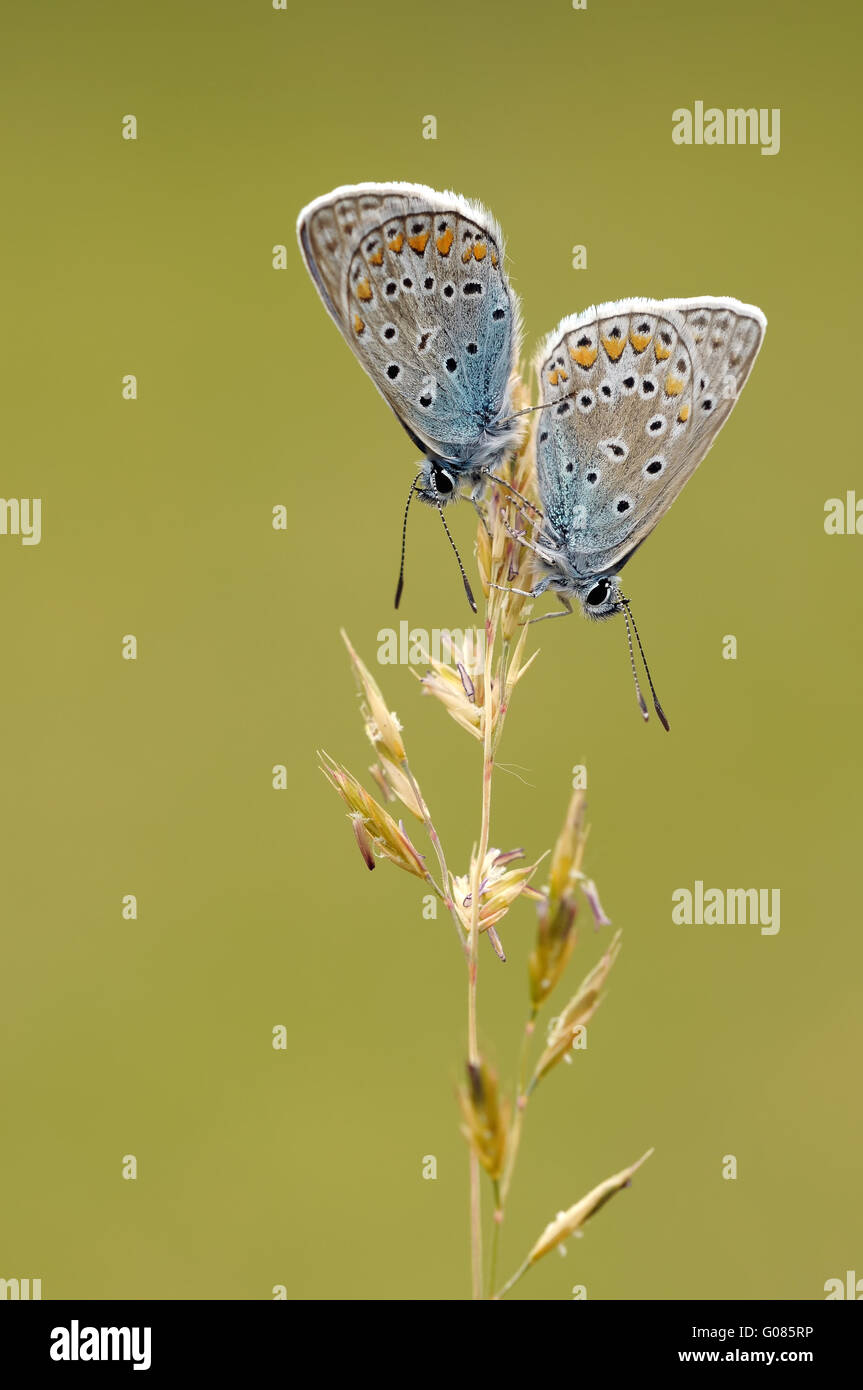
pixel 619 381
pixel 727 336
pixel 415 281
pixel 626 385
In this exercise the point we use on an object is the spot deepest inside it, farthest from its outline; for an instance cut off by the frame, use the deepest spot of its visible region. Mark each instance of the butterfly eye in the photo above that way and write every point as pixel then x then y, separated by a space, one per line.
pixel 443 481
pixel 598 594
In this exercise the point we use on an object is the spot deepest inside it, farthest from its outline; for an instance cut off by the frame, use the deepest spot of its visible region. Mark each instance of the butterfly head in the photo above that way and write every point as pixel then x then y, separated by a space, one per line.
pixel 599 598
pixel 438 482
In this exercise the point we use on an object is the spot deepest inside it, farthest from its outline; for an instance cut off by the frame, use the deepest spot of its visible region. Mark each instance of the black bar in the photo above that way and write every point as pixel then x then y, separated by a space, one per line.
pixel 239 1337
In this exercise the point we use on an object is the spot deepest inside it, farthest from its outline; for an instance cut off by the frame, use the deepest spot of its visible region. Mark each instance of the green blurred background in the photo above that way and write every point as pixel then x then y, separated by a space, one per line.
pixel 302 1167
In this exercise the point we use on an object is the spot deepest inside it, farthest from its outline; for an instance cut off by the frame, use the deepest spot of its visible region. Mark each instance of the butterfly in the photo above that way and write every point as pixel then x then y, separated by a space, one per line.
pixel 415 282
pixel 632 395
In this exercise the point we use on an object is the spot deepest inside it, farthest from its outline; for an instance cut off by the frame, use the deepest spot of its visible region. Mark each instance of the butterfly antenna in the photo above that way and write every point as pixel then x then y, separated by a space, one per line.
pixel 641 703
pixel 470 598
pixel 656 705
pixel 401 584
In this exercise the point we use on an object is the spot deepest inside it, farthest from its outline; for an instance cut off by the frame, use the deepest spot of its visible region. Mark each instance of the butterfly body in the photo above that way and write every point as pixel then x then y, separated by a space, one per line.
pixel 414 279
pixel 634 393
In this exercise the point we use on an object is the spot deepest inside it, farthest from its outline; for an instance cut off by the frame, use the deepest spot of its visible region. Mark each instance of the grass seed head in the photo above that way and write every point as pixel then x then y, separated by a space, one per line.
pixel 566 1223
pixel 485 1116
pixel 580 1009
pixel 395 785
pixel 379 834
pixel 500 885
pixel 382 727
pixel 460 691
pixel 555 937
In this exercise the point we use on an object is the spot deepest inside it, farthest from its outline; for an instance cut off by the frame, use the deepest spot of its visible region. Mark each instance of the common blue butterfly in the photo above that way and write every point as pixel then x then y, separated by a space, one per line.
pixel 415 282
pixel 632 395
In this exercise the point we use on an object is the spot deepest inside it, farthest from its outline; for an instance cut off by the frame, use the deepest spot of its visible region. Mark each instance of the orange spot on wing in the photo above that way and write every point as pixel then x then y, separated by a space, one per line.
pixel 364 291
pixel 466 254
pixel 614 347
pixel 553 378
pixel 673 386
pixel 639 342
pixel 661 352
pixel 397 242
pixel 419 243
pixel 444 242
pixel 377 258
pixel 493 258
pixel 479 251
pixel 358 325
pixel 684 415
pixel 584 356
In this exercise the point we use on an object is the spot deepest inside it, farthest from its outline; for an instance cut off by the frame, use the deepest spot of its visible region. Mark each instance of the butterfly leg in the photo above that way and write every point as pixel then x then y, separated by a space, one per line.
pixel 519 502
pixel 507 589
pixel 567 611
pixel 522 539
pixel 481 514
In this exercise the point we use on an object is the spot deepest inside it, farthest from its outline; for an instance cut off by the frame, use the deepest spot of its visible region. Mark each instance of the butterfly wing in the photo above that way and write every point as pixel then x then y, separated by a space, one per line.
pixel 415 281
pixel 727 336
pixel 637 392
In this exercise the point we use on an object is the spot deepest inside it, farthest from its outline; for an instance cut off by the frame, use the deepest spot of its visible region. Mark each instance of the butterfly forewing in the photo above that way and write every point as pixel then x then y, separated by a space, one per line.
pixel 631 413
pixel 415 281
